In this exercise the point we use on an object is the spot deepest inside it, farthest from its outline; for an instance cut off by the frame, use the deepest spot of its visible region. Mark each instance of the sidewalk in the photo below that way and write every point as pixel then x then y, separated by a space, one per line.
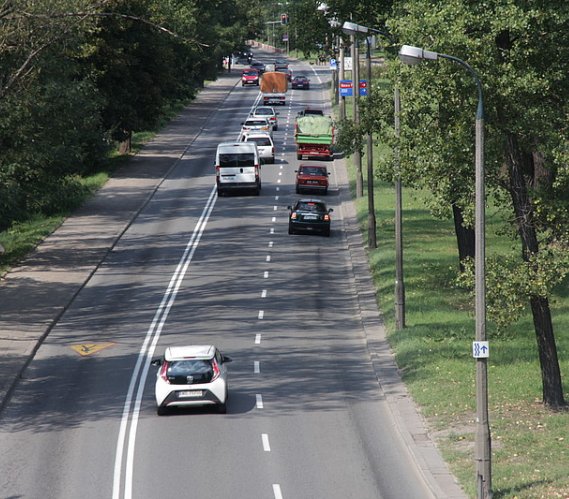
pixel 34 295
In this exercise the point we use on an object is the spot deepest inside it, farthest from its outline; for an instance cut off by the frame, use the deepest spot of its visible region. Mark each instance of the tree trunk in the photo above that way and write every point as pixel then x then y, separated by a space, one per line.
pixel 126 145
pixel 464 236
pixel 521 171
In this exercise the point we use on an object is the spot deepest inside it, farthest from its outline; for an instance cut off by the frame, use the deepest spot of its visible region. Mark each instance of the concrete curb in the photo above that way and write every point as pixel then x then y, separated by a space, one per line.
pixel 406 416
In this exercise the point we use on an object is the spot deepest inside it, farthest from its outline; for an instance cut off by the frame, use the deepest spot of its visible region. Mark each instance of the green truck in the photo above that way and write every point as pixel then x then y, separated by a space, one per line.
pixel 314 136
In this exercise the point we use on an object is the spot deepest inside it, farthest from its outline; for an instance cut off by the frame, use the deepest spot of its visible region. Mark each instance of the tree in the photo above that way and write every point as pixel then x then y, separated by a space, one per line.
pixel 520 50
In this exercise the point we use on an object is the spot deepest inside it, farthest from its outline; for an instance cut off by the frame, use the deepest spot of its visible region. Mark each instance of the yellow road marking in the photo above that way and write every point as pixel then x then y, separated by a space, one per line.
pixel 85 349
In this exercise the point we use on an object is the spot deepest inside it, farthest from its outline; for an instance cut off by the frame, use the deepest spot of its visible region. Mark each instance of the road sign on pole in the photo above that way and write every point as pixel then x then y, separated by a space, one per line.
pixel 480 349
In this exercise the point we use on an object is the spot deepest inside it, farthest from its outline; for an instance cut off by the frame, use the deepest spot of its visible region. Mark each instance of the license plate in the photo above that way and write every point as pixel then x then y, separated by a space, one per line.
pixel 311 217
pixel 190 394
pixel 312 182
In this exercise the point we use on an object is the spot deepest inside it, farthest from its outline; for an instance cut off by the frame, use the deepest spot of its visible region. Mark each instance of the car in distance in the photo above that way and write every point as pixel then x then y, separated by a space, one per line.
pixel 265 145
pixel 259 66
pixel 312 178
pixel 249 77
pixel 191 376
pixel 300 82
pixel 309 215
pixel 260 124
pixel 269 113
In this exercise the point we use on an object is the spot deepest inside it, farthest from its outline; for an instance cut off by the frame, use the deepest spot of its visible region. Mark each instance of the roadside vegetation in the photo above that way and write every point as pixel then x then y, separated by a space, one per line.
pixel 530 449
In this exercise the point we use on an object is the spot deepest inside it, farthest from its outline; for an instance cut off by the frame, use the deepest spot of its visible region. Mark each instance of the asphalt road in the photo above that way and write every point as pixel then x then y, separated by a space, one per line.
pixel 306 416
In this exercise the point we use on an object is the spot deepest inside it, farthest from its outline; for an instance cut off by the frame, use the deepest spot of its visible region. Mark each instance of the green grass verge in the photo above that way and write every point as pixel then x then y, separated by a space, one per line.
pixel 530 445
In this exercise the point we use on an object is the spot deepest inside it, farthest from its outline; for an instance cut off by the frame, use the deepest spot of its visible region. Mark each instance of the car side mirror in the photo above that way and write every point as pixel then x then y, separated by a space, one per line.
pixel 225 359
pixel 330 210
pixel 242 122
pixel 289 207
pixel 156 362
pixel 295 171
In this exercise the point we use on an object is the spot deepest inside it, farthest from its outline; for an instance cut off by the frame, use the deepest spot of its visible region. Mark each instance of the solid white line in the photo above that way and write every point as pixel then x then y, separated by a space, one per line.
pixel 256 367
pixel 261 314
pixel 145 355
pixel 264 293
pixel 257 339
pixel 259 401
pixel 277 491
pixel 266 445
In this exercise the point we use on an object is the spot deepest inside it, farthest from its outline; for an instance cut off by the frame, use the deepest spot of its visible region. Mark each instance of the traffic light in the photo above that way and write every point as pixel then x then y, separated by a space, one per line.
pixel 284 18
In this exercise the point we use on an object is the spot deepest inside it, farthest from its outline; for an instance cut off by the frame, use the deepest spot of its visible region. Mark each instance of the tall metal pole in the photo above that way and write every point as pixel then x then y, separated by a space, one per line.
pixel 356 95
pixel 399 280
pixel 483 439
pixel 371 221
pixel 341 76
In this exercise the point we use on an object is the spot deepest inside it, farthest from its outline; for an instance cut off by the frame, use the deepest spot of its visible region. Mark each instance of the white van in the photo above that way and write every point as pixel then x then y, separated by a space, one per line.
pixel 237 167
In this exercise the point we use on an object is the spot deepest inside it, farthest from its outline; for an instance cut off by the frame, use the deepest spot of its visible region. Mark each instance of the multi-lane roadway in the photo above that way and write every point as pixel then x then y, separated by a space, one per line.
pixel 306 418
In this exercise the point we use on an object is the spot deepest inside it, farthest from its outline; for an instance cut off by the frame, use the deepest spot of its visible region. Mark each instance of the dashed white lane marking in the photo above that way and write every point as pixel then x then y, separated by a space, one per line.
pixel 268 258
pixel 277 491
pixel 276 198
pixel 280 174
pixel 272 231
pixel 264 293
pixel 266 274
pixel 275 208
pixel 281 167
pixel 256 367
pixel 279 181
pixel 259 401
pixel 270 244
pixel 266 445
pixel 261 314
pixel 274 219
pixel 278 188
pixel 257 339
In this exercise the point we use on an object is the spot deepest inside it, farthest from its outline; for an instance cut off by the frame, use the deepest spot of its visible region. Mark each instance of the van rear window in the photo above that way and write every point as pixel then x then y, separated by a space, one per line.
pixel 236 159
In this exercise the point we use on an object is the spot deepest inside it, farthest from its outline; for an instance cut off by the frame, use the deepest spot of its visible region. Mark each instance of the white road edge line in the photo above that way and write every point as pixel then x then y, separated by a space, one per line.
pixel 145 355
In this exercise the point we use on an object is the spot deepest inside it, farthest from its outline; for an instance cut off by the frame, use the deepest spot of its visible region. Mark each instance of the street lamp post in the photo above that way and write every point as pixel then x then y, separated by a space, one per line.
pixel 413 55
pixel 353 29
pixel 356 111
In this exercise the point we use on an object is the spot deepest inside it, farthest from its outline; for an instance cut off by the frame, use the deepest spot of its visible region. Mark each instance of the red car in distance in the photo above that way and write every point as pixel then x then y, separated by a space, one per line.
pixel 312 178
pixel 249 77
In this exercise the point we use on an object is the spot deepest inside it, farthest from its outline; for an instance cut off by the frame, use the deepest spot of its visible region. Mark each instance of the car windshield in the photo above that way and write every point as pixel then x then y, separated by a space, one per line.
pixel 250 73
pixel 260 141
pixel 311 206
pixel 311 170
pixel 236 159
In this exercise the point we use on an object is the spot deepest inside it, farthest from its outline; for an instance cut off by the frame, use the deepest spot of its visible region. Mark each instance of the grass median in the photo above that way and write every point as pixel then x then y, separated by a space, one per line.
pixel 530 445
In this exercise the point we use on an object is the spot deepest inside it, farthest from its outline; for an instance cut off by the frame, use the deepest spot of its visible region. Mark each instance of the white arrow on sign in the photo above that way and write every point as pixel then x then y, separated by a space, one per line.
pixel 480 349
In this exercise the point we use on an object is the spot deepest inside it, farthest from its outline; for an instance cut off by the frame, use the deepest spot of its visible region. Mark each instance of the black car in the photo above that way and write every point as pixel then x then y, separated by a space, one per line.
pixel 309 215
pixel 300 81
pixel 259 66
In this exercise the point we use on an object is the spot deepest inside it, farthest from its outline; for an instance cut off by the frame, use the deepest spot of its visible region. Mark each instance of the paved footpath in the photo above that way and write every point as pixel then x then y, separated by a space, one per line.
pixel 34 295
